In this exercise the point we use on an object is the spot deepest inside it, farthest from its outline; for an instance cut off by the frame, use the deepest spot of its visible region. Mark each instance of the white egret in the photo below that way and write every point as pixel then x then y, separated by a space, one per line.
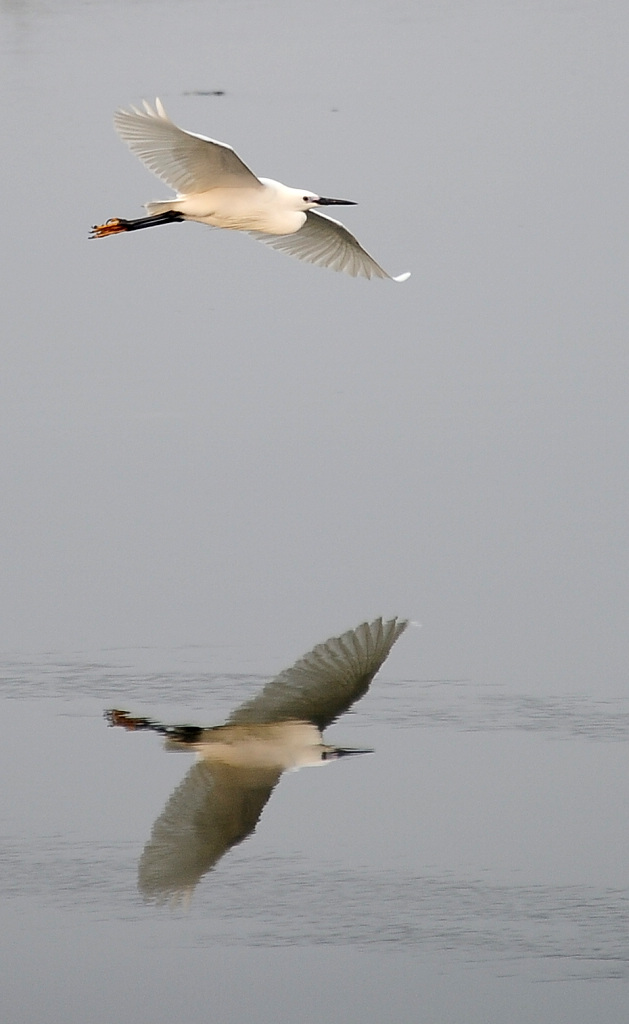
pixel 215 187
pixel 220 800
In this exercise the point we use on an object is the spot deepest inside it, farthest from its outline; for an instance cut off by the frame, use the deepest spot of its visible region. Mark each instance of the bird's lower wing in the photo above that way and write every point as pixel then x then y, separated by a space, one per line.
pixel 327 681
pixel 213 808
pixel 186 162
pixel 327 243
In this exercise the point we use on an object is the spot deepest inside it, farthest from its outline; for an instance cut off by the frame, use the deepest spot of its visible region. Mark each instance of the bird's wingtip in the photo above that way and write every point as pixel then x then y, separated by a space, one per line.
pixel 402 277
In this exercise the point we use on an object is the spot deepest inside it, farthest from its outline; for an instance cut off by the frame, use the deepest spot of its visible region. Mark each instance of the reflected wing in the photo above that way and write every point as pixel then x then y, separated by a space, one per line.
pixel 214 807
pixel 327 681
pixel 186 162
pixel 328 243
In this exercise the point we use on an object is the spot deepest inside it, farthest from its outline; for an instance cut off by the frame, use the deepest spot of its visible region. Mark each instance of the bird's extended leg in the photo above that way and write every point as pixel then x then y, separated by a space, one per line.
pixel 117 224
pixel 181 733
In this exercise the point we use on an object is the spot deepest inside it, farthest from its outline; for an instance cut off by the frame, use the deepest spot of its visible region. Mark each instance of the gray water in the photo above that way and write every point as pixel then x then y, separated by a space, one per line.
pixel 213 457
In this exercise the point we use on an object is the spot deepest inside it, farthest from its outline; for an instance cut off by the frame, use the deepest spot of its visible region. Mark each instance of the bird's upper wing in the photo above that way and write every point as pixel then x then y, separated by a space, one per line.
pixel 328 243
pixel 212 809
pixel 327 681
pixel 187 163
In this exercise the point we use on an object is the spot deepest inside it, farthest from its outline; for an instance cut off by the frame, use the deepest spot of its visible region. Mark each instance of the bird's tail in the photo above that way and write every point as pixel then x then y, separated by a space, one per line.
pixel 164 206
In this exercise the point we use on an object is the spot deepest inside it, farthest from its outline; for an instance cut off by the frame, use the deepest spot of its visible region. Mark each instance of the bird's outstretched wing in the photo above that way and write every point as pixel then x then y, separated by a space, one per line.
pixel 327 681
pixel 327 243
pixel 184 161
pixel 213 808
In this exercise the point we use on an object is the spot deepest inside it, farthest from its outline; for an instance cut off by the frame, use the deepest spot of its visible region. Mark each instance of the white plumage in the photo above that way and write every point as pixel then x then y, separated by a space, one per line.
pixel 215 187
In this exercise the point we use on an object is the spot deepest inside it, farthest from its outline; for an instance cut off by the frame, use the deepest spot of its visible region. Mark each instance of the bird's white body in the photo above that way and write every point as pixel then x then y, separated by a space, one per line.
pixel 215 187
pixel 278 745
pixel 273 209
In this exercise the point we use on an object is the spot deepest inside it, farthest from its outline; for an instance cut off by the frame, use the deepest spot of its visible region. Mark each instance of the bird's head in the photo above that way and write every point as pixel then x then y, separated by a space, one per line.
pixel 322 753
pixel 307 200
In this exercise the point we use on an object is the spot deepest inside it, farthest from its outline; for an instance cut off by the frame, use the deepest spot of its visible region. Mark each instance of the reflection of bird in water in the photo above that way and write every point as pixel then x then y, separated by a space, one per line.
pixel 220 800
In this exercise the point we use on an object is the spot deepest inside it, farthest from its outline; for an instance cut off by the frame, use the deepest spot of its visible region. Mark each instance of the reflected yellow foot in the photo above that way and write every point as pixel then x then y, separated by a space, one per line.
pixel 115 717
pixel 111 227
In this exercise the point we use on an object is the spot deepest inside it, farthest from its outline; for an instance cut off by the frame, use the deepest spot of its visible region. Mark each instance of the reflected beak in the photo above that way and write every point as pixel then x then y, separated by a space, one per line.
pixel 335 202
pixel 331 755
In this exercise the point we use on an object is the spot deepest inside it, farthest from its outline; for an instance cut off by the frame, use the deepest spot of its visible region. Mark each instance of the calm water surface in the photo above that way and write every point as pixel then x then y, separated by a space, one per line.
pixel 459 859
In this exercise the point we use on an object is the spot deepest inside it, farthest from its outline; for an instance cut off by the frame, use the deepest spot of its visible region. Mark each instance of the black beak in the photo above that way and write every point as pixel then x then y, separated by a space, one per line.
pixel 335 202
pixel 331 755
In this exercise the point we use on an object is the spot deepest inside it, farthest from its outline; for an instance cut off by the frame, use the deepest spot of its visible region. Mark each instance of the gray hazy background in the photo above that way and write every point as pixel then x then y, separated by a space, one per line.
pixel 203 439
pixel 209 447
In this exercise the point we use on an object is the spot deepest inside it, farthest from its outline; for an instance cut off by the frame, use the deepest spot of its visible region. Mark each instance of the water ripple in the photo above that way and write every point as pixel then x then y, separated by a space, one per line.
pixel 129 678
pixel 553 931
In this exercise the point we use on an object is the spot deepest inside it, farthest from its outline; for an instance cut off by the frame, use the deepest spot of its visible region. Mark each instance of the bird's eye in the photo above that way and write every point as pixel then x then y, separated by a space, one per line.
pixel 306 199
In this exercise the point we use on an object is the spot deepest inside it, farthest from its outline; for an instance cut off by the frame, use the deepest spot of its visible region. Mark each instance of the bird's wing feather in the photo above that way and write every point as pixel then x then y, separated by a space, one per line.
pixel 187 163
pixel 327 681
pixel 328 243
pixel 212 809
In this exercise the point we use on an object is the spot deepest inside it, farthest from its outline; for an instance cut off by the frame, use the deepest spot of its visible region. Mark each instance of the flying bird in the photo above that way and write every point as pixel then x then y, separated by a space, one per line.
pixel 215 187
pixel 220 800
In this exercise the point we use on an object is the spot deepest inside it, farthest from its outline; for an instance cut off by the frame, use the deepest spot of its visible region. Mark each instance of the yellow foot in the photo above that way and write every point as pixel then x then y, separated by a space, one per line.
pixel 115 717
pixel 112 227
